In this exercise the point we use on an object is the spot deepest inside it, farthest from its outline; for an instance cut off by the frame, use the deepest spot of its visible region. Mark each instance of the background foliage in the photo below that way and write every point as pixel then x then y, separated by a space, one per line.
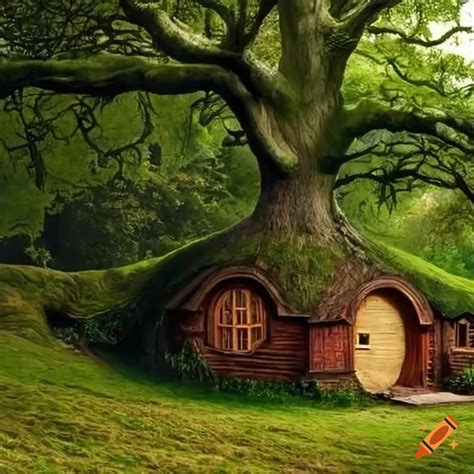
pixel 86 218
pixel 98 183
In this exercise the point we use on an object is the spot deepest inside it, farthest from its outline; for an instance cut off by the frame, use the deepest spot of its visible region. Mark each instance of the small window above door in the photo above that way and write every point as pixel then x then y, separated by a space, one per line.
pixel 363 340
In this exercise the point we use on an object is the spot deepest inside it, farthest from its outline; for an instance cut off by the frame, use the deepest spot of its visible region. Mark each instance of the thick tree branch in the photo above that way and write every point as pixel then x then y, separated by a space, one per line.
pixel 363 14
pixel 379 30
pixel 339 8
pixel 369 115
pixel 264 9
pixel 179 44
pixel 107 76
pixel 187 47
pixel 242 28
pixel 110 76
pixel 224 12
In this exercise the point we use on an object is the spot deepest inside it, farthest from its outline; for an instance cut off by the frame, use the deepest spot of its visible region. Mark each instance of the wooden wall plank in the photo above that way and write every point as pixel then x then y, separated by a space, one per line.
pixel 281 357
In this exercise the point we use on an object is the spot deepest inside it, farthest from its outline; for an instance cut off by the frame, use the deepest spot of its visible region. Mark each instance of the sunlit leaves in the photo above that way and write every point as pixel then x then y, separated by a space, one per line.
pixel 415 16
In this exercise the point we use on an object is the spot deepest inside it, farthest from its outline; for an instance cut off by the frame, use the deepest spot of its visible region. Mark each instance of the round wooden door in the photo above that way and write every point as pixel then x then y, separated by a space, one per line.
pixel 379 346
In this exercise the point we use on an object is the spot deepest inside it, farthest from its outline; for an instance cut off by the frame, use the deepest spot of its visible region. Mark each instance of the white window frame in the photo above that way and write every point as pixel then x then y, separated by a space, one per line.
pixel 362 346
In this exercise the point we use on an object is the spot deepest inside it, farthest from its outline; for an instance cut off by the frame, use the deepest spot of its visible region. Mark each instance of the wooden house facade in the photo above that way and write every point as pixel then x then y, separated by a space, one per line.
pixel 382 334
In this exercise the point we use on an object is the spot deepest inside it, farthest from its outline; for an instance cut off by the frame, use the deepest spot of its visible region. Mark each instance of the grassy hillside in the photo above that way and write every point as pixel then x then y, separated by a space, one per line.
pixel 452 295
pixel 64 412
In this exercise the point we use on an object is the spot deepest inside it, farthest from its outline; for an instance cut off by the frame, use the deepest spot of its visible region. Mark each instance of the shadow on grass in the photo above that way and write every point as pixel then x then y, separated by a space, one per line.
pixel 132 369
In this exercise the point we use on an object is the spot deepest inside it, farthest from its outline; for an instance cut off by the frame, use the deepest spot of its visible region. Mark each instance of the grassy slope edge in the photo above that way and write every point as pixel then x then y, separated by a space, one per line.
pixel 63 412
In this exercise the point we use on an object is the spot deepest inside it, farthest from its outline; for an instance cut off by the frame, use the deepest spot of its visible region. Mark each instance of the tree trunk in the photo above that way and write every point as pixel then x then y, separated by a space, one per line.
pixel 299 205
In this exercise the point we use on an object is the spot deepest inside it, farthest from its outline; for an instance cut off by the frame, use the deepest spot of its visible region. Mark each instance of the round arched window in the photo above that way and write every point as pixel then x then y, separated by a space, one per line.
pixel 237 320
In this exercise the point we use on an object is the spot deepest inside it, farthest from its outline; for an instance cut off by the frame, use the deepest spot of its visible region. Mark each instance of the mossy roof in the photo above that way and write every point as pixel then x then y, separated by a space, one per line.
pixel 302 271
pixel 451 295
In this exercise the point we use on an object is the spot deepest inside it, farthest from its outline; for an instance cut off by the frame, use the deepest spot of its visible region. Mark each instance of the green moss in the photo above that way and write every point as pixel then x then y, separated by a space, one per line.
pixel 301 269
pixel 450 294
pixel 25 292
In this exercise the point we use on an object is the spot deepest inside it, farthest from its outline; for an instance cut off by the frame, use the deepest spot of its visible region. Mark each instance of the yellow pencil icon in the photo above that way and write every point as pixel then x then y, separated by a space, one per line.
pixel 437 437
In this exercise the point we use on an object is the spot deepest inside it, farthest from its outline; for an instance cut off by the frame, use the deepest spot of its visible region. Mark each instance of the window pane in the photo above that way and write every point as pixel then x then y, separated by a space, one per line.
pixel 227 339
pixel 253 311
pixel 242 316
pixel 363 339
pixel 239 318
pixel 242 340
pixel 462 335
pixel 227 317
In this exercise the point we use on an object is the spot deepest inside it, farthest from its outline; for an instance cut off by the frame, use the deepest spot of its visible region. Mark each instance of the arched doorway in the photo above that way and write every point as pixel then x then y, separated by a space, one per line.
pixel 379 346
pixel 390 335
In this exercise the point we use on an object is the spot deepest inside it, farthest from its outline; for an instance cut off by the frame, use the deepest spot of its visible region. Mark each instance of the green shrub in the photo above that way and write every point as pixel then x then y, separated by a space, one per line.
pixel 311 390
pixel 69 334
pixel 111 327
pixel 259 388
pixel 343 396
pixel 463 382
pixel 40 256
pixel 188 363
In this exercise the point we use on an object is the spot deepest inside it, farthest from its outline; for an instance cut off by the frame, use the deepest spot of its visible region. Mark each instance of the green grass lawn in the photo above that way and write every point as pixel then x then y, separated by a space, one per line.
pixel 63 412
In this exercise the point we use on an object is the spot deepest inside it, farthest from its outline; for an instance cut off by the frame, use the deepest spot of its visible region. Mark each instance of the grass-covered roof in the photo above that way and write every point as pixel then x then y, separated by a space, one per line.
pixel 302 271
pixel 451 295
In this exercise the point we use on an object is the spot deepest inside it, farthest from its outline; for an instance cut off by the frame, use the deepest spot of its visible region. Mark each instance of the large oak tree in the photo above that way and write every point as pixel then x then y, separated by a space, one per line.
pixel 301 118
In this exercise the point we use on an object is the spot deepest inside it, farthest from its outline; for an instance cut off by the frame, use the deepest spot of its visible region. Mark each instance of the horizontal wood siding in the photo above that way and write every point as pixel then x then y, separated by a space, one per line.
pixel 281 357
pixel 330 347
pixel 460 359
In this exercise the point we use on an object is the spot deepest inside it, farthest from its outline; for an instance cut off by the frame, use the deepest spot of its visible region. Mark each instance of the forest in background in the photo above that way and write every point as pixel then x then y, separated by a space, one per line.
pixel 185 183
pixel 100 183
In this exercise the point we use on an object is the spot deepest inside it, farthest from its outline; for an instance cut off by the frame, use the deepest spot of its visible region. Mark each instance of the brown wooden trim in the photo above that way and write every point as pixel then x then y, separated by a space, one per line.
pixel 351 351
pixel 466 323
pixel 326 321
pixel 329 372
pixel 419 302
pixel 214 314
pixel 240 353
pixel 192 297
pixel 462 350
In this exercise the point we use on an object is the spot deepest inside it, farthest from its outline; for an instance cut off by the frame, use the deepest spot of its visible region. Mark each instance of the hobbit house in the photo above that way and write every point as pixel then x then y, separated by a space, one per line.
pixel 378 334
